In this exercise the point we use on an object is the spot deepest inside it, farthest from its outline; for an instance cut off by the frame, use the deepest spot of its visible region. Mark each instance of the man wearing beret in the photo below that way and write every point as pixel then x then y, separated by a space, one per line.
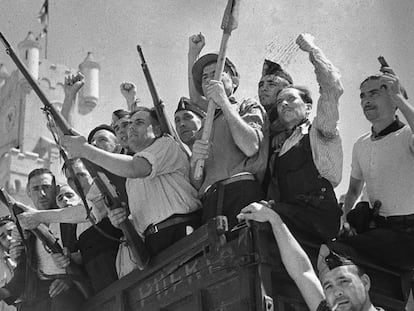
pixel 307 163
pixel 103 137
pixel 236 155
pixel 342 285
pixel 188 120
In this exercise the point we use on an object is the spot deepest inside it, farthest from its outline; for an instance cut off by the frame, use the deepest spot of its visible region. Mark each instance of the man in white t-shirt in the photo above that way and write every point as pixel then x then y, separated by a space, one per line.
pixel 383 160
pixel 158 184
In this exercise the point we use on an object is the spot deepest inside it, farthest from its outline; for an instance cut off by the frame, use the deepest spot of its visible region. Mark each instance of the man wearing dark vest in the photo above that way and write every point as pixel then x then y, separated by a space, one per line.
pixel 307 163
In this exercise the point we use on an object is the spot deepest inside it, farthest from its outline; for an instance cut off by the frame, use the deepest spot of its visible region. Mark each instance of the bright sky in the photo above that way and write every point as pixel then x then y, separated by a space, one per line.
pixel 352 33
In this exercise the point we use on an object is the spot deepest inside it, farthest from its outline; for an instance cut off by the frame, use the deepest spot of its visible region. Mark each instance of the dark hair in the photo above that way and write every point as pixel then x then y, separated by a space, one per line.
pixel 5 220
pixel 70 162
pixel 304 92
pixel 372 77
pixel 152 112
pixel 120 113
pixel 105 127
pixel 41 171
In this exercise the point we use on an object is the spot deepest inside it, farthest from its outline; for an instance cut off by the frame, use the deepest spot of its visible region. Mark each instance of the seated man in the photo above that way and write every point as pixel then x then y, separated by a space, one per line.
pixel 158 186
pixel 307 165
pixel 383 160
pixel 34 278
pixel 188 121
pixel 235 157
pixel 344 285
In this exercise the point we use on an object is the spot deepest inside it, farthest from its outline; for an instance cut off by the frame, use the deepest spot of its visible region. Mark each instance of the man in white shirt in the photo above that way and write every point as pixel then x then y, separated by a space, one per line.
pixel 158 185
pixel 383 161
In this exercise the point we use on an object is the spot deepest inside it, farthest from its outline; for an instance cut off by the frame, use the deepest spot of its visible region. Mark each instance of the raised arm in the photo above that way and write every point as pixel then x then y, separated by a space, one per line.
pixel 195 44
pixel 129 91
pixel 71 87
pixel 293 256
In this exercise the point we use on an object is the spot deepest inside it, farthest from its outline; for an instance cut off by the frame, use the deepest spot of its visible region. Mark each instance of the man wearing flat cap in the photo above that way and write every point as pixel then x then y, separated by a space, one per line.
pixel 342 285
pixel 236 155
pixel 188 120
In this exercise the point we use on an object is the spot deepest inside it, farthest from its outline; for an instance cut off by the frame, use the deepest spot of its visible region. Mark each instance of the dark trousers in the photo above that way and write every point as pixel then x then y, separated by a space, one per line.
pixel 229 199
pixel 69 300
pixel 318 223
pixel 384 246
pixel 101 269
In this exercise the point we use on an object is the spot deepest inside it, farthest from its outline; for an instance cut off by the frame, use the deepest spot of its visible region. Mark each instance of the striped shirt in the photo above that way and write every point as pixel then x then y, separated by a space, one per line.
pixel 324 135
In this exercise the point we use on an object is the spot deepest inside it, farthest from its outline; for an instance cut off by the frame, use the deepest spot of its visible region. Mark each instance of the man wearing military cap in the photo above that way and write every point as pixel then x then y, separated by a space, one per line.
pixel 274 79
pixel 188 120
pixel 342 285
pixel 235 158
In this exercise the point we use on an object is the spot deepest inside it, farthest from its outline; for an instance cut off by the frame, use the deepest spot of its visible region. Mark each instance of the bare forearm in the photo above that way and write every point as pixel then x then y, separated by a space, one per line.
pixel 297 264
pixel 75 214
pixel 195 97
pixel 407 110
pixel 244 135
pixel 118 164
pixel 68 108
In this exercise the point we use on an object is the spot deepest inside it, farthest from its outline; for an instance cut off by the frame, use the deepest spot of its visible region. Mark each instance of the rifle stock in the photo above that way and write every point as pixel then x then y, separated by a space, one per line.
pixel 50 241
pixel 132 237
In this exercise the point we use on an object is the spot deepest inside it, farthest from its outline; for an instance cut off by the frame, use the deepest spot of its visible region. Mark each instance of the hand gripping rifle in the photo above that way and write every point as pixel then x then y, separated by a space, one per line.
pixel 384 63
pixel 50 241
pixel 165 124
pixel 141 255
pixel 113 201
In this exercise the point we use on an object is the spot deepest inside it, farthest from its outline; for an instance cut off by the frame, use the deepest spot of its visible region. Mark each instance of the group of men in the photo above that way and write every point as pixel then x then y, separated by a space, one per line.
pixel 263 161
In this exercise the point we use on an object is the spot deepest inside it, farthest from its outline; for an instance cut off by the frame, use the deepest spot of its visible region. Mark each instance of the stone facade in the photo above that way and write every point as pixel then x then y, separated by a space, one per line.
pixel 25 140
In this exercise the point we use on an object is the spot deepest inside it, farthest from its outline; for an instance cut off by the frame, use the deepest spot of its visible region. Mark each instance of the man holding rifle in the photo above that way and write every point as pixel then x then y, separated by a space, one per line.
pixel 235 158
pixel 158 186
pixel 34 278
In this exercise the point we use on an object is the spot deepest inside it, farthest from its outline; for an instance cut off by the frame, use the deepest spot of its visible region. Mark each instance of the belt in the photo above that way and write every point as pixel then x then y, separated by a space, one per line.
pixel 230 180
pixel 397 218
pixel 171 221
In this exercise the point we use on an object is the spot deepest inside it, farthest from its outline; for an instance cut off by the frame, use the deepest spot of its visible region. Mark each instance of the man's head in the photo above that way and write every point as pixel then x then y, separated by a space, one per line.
pixel 294 104
pixel 67 197
pixel 188 120
pixel 41 188
pixel 103 137
pixel 120 123
pixel 6 227
pixel 81 172
pixel 203 71
pixel 375 100
pixel 345 285
pixel 144 128
pixel 273 80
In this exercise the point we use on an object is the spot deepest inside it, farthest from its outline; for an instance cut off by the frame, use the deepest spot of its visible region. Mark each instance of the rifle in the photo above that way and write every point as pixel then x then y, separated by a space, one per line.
pixel 113 201
pixel 66 129
pixel 50 241
pixel 165 124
